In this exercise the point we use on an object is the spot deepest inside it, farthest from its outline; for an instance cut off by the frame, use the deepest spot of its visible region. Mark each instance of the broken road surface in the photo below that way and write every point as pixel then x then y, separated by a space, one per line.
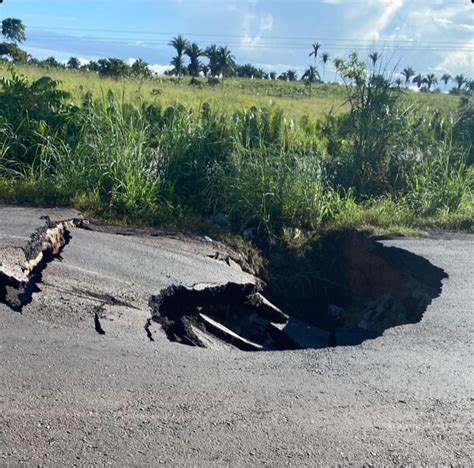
pixel 87 378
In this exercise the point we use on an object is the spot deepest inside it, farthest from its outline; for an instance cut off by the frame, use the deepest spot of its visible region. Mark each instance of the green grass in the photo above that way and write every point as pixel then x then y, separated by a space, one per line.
pixel 238 93
pixel 263 153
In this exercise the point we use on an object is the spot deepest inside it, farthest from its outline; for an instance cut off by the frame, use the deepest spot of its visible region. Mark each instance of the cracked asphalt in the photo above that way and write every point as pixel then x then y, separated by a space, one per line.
pixel 69 396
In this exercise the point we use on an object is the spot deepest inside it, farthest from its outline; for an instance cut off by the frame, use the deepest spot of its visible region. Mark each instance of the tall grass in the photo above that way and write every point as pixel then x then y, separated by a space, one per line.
pixel 268 188
pixel 150 163
pixel 111 161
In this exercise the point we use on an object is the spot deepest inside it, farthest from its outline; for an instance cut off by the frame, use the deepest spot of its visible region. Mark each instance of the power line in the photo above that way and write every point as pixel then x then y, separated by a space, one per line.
pixel 262 44
pixel 277 38
pixel 281 2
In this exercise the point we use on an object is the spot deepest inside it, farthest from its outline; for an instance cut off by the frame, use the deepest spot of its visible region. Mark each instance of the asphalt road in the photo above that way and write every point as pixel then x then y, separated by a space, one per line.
pixel 71 396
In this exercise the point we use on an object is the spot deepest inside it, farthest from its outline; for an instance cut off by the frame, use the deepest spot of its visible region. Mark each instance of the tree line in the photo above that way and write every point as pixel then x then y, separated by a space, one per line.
pixel 216 63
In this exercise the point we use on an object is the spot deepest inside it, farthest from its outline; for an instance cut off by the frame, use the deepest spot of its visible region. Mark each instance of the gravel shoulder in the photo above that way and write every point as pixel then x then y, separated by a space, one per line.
pixel 71 396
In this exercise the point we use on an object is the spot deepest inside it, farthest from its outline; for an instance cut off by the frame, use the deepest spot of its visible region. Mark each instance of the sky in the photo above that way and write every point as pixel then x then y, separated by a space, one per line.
pixel 434 36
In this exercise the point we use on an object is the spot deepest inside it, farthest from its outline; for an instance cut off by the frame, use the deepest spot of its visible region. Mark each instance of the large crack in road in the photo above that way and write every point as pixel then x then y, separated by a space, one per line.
pixel 21 267
pixel 357 288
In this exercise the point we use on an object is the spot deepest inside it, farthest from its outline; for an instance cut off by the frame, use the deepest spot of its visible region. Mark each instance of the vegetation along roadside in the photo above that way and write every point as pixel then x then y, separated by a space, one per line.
pixel 161 151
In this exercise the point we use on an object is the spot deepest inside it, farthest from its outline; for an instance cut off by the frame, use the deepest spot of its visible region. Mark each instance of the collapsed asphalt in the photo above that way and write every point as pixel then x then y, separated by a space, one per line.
pixel 71 395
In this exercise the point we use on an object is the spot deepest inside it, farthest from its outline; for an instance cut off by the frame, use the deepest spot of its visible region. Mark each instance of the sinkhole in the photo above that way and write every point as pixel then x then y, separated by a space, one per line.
pixel 338 291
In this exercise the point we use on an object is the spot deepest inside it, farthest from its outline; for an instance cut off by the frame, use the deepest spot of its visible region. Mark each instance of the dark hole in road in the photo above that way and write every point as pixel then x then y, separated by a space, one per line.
pixel 339 291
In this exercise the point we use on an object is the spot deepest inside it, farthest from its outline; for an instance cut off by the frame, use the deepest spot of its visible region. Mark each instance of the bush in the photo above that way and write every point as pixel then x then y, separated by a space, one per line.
pixel 32 111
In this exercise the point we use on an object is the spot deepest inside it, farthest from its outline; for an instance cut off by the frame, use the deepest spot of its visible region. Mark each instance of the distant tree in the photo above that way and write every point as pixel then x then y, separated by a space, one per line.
pixel 470 86
pixel 178 67
pixel 310 76
pixel 51 62
pixel 244 71
pixel 12 52
pixel 316 46
pixel 248 71
pixel 273 75
pixel 398 82
pixel 338 62
pixel 226 62
pixel 430 80
pixel 141 68
pixel 74 63
pixel 113 68
pixel 180 45
pixel 374 58
pixel 460 80
pixel 445 78
pixel 283 76
pixel 194 52
pixel 14 30
pixel 408 73
pixel 212 53
pixel 33 61
pixel 324 59
pixel 292 75
pixel 93 66
pixel 418 80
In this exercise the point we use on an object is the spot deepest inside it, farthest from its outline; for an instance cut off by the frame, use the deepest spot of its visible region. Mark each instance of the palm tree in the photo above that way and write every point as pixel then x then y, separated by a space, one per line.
pixel 180 45
pixel 338 63
pixel 418 80
pixel 315 51
pixel 292 75
pixel 470 86
pixel 374 57
pixel 226 62
pixel 324 59
pixel 430 80
pixel 460 80
pixel 398 82
pixel 178 66
pixel 310 76
pixel 408 73
pixel 193 51
pixel 445 78
pixel 212 53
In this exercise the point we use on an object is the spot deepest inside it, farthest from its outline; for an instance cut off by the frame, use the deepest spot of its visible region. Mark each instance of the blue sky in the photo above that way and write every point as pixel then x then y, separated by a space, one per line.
pixel 431 36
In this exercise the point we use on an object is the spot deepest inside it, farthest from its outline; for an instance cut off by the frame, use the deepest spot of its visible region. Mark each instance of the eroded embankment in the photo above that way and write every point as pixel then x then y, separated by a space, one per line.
pixel 21 267
pixel 341 290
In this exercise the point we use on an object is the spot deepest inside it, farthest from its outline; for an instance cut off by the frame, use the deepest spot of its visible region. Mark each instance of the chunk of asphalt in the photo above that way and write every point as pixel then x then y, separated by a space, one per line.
pixel 21 267
pixel 235 313
pixel 227 335
pixel 266 309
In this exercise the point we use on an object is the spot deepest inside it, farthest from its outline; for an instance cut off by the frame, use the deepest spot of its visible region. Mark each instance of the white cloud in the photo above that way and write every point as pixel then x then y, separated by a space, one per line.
pixel 376 17
pixel 266 23
pixel 252 22
pixel 159 69
pixel 458 61
pixel 448 24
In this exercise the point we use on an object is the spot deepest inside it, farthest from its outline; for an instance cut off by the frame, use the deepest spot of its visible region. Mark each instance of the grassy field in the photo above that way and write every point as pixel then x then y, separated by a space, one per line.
pixel 237 94
pixel 265 156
